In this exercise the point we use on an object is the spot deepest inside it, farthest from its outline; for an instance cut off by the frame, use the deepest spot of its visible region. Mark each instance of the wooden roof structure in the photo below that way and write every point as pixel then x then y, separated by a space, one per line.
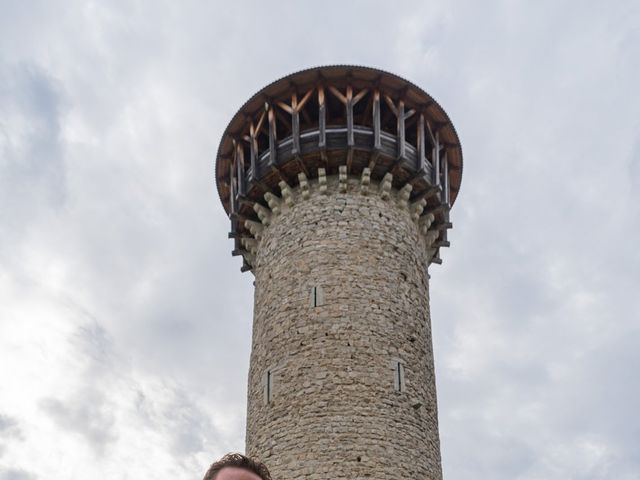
pixel 329 116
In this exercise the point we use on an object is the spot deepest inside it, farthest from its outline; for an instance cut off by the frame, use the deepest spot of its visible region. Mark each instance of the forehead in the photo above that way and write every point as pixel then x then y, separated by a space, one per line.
pixel 234 473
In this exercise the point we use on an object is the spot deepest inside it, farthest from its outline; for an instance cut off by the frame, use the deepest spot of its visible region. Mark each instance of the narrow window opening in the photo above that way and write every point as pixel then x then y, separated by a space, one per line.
pixel 316 297
pixel 398 374
pixel 269 386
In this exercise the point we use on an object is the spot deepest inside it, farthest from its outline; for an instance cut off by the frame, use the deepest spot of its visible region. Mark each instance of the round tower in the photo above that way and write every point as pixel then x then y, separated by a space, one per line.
pixel 338 182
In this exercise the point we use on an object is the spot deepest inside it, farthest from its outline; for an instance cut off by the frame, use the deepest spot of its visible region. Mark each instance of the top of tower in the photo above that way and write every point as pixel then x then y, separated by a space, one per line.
pixel 336 115
pixel 332 120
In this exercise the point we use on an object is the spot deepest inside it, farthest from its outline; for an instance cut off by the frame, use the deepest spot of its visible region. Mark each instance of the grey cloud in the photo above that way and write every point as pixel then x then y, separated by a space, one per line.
pixel 9 431
pixel 90 410
pixel 87 414
pixel 7 423
pixel 32 168
pixel 10 428
pixel 16 474
pixel 191 428
pixel 187 427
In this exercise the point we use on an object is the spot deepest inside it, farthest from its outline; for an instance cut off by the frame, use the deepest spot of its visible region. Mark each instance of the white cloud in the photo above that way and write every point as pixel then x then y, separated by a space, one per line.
pixel 125 323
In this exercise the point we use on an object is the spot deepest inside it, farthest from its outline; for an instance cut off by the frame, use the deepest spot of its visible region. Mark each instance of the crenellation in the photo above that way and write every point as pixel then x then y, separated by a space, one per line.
pixel 365 180
pixel 322 180
pixel 417 208
pixel 385 186
pixel 264 214
pixel 404 195
pixel 251 244
pixel 274 202
pixel 286 193
pixel 304 185
pixel 342 179
pixel 254 228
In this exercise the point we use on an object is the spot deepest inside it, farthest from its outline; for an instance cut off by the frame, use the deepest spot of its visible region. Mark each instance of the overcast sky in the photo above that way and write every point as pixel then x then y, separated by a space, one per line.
pixel 125 322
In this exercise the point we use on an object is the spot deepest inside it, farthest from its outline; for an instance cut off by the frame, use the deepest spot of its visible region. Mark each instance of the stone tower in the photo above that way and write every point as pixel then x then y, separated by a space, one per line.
pixel 338 182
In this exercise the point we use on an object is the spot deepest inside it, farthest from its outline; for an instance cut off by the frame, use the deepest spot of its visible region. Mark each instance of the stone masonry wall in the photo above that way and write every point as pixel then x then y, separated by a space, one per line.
pixel 327 396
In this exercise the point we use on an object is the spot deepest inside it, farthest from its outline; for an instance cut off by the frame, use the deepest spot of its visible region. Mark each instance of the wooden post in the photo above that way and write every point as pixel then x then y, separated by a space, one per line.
pixel 445 180
pixel 322 118
pixel 272 136
pixel 295 124
pixel 232 193
pixel 421 146
pixel 377 142
pixel 253 151
pixel 401 132
pixel 436 161
pixel 349 108
pixel 446 194
pixel 240 169
pixel 350 136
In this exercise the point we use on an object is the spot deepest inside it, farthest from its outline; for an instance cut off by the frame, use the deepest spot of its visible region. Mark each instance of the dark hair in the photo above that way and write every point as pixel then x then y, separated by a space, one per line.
pixel 238 460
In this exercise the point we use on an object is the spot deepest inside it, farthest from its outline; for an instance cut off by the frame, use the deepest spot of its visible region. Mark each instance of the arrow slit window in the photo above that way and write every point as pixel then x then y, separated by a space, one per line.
pixel 316 296
pixel 399 383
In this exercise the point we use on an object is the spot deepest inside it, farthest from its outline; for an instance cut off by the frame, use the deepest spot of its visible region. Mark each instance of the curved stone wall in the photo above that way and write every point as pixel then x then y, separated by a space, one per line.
pixel 341 382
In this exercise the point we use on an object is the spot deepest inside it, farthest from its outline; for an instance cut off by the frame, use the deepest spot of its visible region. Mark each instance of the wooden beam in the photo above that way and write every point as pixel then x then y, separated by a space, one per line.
pixel 401 147
pixel 322 118
pixel 391 105
pixel 295 124
pixel 283 119
pixel 349 111
pixel 260 123
pixel 272 137
pixel 373 159
pixel 441 243
pixel 246 201
pixel 285 107
pixel 360 95
pixel 302 166
pixel 436 259
pixel 444 226
pixel 445 179
pixel 428 192
pixel 232 187
pixel 436 161
pixel 421 146
pixel 234 228
pixel 338 94
pixel 240 218
pixel 377 141
pixel 304 100
pixel 349 159
pixel 417 175
pixel 240 169
pixel 437 209
pixel 253 150
pixel 430 131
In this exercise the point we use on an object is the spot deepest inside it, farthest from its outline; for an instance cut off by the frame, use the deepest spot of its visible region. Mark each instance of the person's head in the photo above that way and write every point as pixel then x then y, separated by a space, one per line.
pixel 235 466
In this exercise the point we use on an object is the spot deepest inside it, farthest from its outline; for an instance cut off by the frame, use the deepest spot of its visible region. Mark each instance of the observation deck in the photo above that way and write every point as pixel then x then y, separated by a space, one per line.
pixel 328 117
